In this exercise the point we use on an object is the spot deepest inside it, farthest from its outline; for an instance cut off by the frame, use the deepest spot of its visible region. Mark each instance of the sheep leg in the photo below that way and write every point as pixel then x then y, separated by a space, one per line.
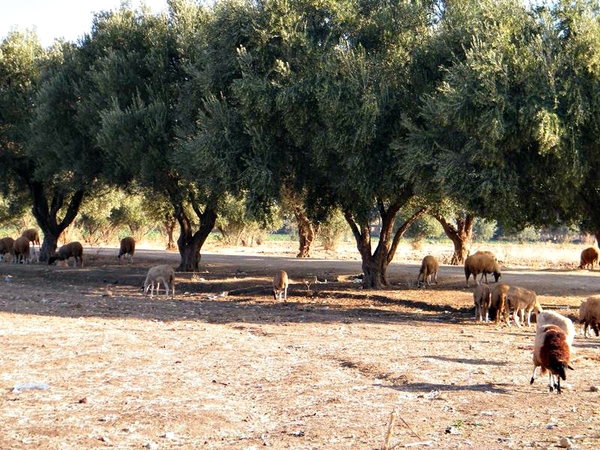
pixel 533 375
pixel 516 317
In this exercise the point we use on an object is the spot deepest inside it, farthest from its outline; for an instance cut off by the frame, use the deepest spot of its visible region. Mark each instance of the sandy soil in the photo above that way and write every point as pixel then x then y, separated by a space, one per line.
pixel 224 366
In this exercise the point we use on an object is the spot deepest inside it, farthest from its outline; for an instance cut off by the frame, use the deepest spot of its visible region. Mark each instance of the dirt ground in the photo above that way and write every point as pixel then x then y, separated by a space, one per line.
pixel 88 362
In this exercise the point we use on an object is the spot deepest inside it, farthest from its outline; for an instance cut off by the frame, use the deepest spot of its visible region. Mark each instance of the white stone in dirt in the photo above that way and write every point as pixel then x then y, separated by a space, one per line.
pixel 565 442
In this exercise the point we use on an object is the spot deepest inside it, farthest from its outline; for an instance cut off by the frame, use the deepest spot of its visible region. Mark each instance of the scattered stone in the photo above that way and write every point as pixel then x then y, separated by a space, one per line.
pixel 594 389
pixel 565 442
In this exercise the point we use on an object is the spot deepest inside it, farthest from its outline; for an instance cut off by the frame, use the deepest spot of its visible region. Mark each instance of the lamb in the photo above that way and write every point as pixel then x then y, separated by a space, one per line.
pixel 127 248
pixel 429 270
pixel 481 263
pixel 280 285
pixel 498 301
pixel 552 354
pixel 157 274
pixel 33 236
pixel 553 318
pixel 72 249
pixel 589 257
pixel 21 250
pixel 482 299
pixel 589 315
pixel 521 300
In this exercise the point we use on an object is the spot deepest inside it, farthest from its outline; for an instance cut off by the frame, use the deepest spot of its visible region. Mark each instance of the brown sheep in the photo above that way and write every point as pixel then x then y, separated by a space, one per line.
pixel 72 249
pixel 429 270
pixel 522 301
pixel 33 236
pixel 482 300
pixel 280 285
pixel 589 257
pixel 21 250
pixel 6 246
pixel 498 302
pixel 552 354
pixel 127 248
pixel 481 263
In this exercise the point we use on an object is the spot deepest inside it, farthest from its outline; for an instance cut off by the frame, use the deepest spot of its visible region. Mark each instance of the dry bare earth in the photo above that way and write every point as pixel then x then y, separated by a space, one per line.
pixel 240 371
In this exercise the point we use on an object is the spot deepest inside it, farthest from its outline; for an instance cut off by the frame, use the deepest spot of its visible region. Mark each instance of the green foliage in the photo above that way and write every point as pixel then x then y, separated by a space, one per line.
pixel 333 231
pixel 484 230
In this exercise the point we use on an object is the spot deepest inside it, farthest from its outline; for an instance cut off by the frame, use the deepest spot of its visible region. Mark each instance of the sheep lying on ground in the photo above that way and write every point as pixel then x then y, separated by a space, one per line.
pixel 522 301
pixel 70 250
pixel 280 285
pixel 552 354
pixel 589 257
pixel 428 271
pixel 127 248
pixel 21 250
pixel 589 315
pixel 553 318
pixel 164 274
pixel 33 236
pixel 481 263
pixel 498 302
pixel 482 299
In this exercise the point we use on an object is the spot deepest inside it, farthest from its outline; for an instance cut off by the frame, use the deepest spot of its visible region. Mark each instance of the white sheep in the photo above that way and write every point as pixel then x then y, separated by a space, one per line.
pixel 21 250
pixel 552 354
pixel 127 248
pixel 280 285
pixel 164 274
pixel 70 250
pixel 428 271
pixel 589 315
pixel 547 317
pixel 482 299
pixel 522 301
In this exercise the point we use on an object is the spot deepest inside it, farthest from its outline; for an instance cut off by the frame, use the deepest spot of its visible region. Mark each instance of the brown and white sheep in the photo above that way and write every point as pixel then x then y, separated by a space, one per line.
pixel 428 271
pixel 588 258
pixel 33 235
pixel 164 274
pixel 498 302
pixel 70 250
pixel 482 299
pixel 280 285
pixel 481 263
pixel 589 315
pixel 127 248
pixel 521 301
pixel 21 250
pixel 547 317
pixel 552 354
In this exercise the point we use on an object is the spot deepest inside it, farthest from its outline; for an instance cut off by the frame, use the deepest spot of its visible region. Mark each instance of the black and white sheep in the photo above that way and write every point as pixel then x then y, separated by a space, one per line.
pixel 552 354
pixel 70 250
pixel 127 248
pixel 428 271
pixel 280 285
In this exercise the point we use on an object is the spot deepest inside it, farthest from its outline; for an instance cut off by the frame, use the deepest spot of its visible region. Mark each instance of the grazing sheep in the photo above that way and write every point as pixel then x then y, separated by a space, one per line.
pixel 482 298
pixel 21 250
pixel 498 302
pixel 589 257
pixel 552 354
pixel 164 274
pixel 429 270
pixel 553 318
pixel 589 315
pixel 481 263
pixel 280 285
pixel 72 249
pixel 33 236
pixel 127 248
pixel 6 245
pixel 522 301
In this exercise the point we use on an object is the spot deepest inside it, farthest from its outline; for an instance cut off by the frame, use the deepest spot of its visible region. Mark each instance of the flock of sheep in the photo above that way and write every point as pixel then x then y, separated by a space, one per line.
pixel 554 332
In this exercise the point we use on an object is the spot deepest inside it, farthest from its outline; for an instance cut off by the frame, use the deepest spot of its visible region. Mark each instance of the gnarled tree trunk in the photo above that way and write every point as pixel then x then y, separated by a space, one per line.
pixel 375 264
pixel 169 223
pixel 307 232
pixel 460 234
pixel 190 243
